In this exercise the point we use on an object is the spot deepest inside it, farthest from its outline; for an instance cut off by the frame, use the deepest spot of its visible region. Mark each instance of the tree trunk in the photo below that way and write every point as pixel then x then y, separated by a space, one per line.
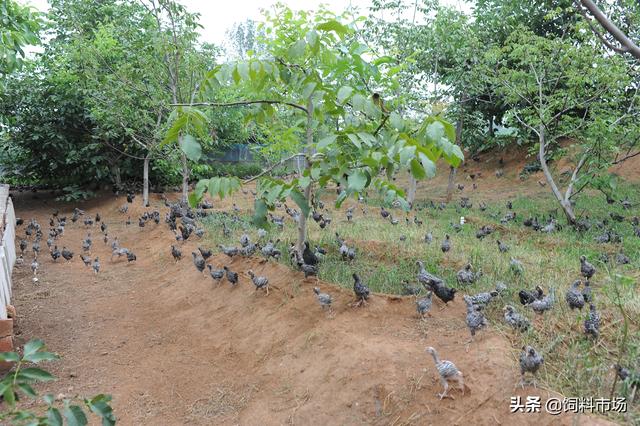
pixel 145 180
pixel 565 203
pixel 411 193
pixel 492 132
pixel 185 179
pixel 116 177
pixel 302 221
pixel 452 170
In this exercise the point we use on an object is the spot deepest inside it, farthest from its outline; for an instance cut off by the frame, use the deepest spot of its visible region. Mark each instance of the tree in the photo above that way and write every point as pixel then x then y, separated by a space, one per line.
pixel 353 134
pixel 558 90
pixel 20 27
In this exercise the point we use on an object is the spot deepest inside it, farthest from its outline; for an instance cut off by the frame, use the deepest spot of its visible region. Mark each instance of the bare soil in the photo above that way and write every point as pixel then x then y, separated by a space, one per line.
pixel 173 348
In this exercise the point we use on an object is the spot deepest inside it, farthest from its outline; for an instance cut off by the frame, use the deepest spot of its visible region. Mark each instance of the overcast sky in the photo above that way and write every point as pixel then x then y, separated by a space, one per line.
pixel 218 16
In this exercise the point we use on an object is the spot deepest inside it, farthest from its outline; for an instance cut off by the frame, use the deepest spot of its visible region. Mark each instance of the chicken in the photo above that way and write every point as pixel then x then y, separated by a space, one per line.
pixel 244 240
pixel 622 259
pixel 586 269
pixel 198 261
pixel 409 289
pixel 466 275
pixel 67 254
pixel 55 253
pixel 384 213
pixel 216 274
pixel 23 246
pixel 423 305
pixel 346 252
pixel 427 279
pixel 86 260
pixel 96 265
pixel 176 253
pixel 574 296
pixel 516 266
pixel 446 244
pixel 229 251
pixel 530 362
pixel 527 297
pixel 206 254
pixel 309 270
pixel 514 319
pixel 270 250
pixel 475 318
pixel 482 299
pixel 502 247
pixel 586 292
pixel 447 372
pixel 232 277
pixel 544 304
pixel 592 323
pixel 34 267
pixel 323 299
pixel 308 256
pixel 131 257
pixel 261 283
pixel 428 238
pixel 361 291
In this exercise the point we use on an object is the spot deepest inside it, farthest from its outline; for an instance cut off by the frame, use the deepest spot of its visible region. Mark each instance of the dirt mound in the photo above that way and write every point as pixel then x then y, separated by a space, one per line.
pixel 173 348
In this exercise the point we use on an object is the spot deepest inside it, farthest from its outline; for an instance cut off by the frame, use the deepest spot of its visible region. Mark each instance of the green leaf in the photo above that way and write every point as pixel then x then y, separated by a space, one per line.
pixel 260 214
pixel 304 181
pixel 416 169
pixel 343 94
pixel 75 416
pixel 357 180
pixel 435 132
pixel 33 346
pixel 407 153
pixel 41 356
pixel 53 417
pixel 48 398
pixel 9 396
pixel 99 405
pixel 300 200
pixel 308 89
pixel 396 121
pixel 355 140
pixel 243 70
pixel 28 390
pixel 296 50
pixel 9 357
pixel 326 141
pixel 191 147
pixel 341 197
pixel 428 165
pixel 34 373
pixel 333 25
pixel 194 200
pixel 312 38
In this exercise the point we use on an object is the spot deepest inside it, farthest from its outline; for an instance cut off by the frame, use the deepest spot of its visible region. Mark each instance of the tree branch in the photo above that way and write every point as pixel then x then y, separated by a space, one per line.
pixel 574 175
pixel 243 103
pixel 279 163
pixel 627 45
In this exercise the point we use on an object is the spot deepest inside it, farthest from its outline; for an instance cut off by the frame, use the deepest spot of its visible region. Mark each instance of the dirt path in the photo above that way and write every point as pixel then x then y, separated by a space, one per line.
pixel 172 348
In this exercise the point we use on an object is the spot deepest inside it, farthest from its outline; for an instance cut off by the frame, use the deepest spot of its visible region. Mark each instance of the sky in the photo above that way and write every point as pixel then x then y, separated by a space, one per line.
pixel 218 16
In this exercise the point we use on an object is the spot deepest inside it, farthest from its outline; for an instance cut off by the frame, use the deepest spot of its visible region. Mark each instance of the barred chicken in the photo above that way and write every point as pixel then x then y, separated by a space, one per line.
pixel 574 296
pixel 515 319
pixel 198 261
pixel 361 291
pixel 423 305
pixel 592 323
pixel 216 274
pixel 261 283
pixel 586 269
pixel 530 362
pixel 447 372
pixel 232 277
pixel 323 299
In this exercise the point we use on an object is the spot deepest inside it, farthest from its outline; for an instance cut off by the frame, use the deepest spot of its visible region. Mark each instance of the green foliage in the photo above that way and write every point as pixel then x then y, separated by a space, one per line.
pixel 20 28
pixel 20 381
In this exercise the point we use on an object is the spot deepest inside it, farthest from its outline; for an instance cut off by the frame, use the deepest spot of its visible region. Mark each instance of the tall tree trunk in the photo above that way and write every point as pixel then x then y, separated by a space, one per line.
pixel 565 202
pixel 452 170
pixel 302 221
pixel 492 132
pixel 185 178
pixel 145 180
pixel 411 193
pixel 116 177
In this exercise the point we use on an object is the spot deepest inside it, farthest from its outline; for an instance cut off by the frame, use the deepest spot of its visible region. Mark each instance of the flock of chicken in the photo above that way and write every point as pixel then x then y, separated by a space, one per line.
pixel 183 222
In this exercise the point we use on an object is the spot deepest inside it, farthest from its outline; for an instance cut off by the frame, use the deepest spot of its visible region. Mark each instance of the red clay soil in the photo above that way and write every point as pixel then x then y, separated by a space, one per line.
pixel 173 348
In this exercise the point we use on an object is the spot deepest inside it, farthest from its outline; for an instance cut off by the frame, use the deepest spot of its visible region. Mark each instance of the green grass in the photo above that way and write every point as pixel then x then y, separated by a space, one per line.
pixel 574 365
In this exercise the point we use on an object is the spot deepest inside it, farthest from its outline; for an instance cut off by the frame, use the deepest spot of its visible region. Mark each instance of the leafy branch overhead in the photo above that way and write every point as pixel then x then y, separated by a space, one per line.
pixel 356 133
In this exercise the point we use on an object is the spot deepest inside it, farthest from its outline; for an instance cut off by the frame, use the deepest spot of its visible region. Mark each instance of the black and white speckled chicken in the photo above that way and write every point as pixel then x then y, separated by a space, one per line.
pixel 423 304
pixel 544 304
pixel 232 277
pixel 198 261
pixel 361 291
pixel 384 213
pixel 23 245
pixel 502 247
pixel 530 362
pixel 427 279
pixel 475 318
pixel 206 253
pixel 36 247
pixel 261 282
pixel 96 265
pixel 574 296
pixel 324 299
pixel 346 252
pixel 216 274
pixel 244 240
pixel 176 253
pixel 586 269
pixel 349 214
pixel 410 289
pixel 88 221
pixel 229 251
pixel 515 319
pixel 592 323
pixel 482 299
pixel 586 292
pixel 86 260
pixel 67 254
pixel 131 257
pixel 249 250
pixel 516 267
pixel 87 243
pixel 34 267
pixel 631 378
pixel 446 244
pixel 447 372
pixel 55 253
pixel 270 250
pixel 309 270
pixel 622 259
pixel 466 276
pixel 428 238
pixel 508 217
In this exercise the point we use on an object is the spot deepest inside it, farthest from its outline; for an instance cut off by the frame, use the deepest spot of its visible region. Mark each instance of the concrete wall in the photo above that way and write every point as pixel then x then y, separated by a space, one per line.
pixel 7 248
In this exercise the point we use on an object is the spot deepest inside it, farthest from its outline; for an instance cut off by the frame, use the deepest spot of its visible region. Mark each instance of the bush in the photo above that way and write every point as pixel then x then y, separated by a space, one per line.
pixel 240 170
